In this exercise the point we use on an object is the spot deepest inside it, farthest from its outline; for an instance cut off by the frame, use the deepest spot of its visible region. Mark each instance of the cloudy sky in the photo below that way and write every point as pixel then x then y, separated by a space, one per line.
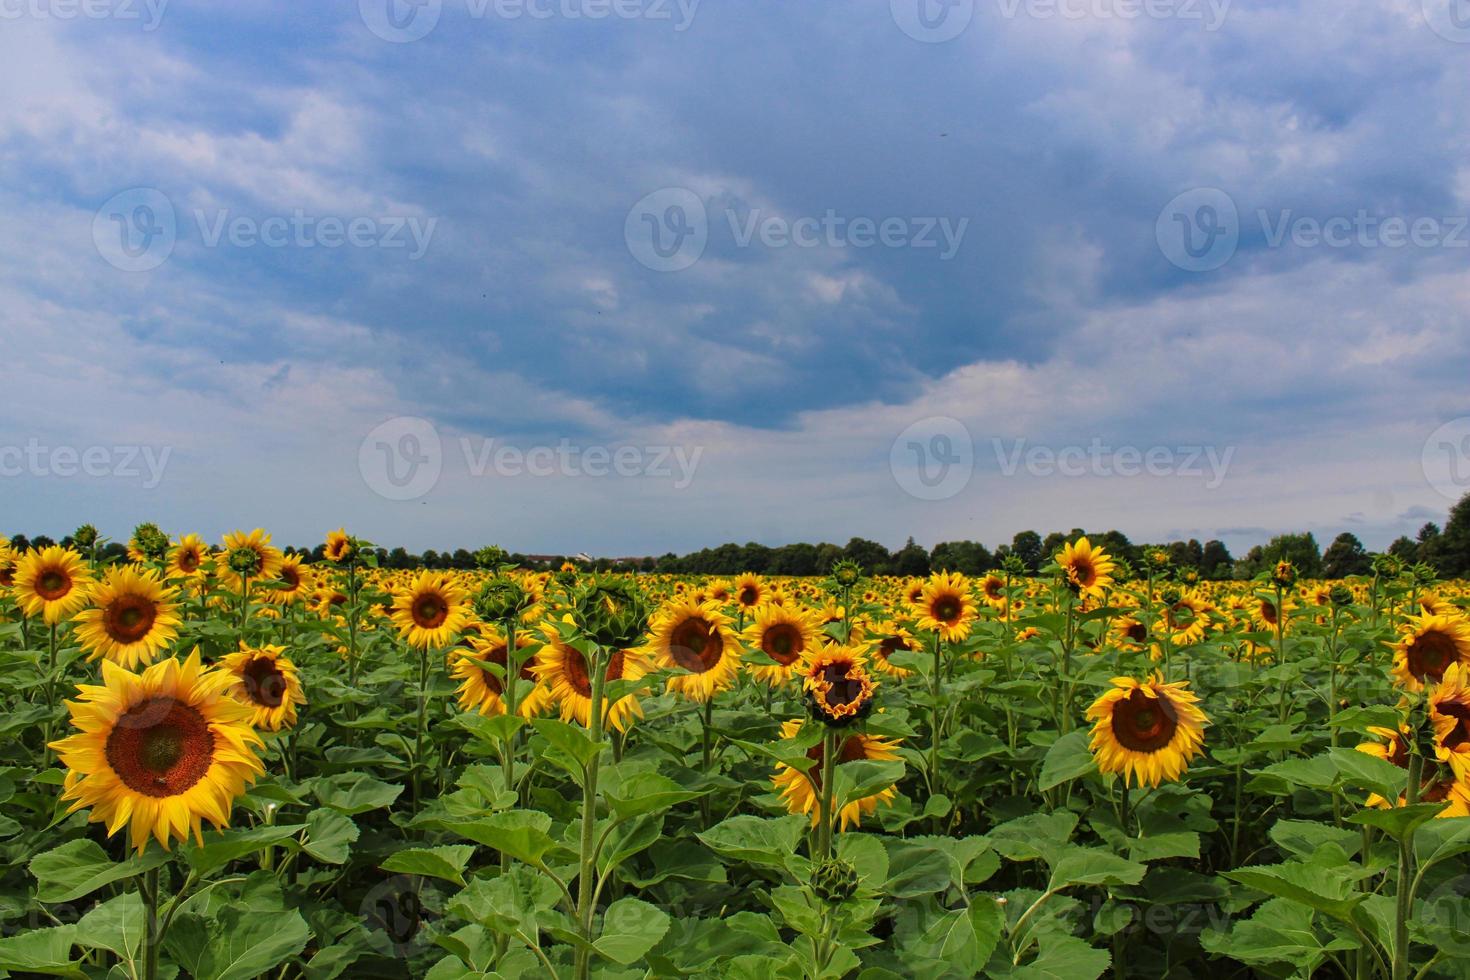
pixel 630 276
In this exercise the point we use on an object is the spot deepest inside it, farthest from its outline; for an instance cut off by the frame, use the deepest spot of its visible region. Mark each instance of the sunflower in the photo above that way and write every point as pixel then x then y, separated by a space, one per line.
pixel 945 606
pixel 1395 749
pixel 1449 713
pixel 295 579
pixel 697 640
pixel 719 590
pixel 992 589
pixel 161 751
pixel 133 618
pixel 800 790
pixel 1184 620
pixel 890 638
pixel 836 685
pixel 1088 570
pixel 339 546
pixel 913 591
pixel 750 590
pixel 482 690
pixel 1265 616
pixel 186 559
pixel 1147 730
pixel 431 611
pixel 782 634
pixel 565 673
pixel 1129 633
pixel 248 557
pixel 1429 646
pixel 267 682
pixel 8 561
pixel 52 583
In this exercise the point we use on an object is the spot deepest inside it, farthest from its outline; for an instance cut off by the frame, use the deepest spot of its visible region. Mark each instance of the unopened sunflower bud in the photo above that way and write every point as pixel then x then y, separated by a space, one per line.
pixel 834 880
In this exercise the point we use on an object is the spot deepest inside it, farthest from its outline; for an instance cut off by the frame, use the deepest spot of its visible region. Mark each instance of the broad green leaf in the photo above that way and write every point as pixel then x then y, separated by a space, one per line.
pixel 222 847
pixel 767 842
pixel 354 793
pixel 1400 821
pixel 80 867
pixel 570 739
pixel 329 836
pixel 116 926
pixel 447 862
pixel 239 945
pixel 520 833
pixel 1093 866
pixel 1328 890
pixel 41 951
pixel 630 928
pixel 1068 758
pixel 646 792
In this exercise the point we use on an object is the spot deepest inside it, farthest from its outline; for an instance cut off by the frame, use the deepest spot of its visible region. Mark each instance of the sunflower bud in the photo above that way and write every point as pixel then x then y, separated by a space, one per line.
pixel 1341 595
pixel 244 561
pixel 490 557
pixel 1158 558
pixel 1388 566
pixel 1425 573
pixel 85 536
pixel 834 880
pixel 612 613
pixel 150 541
pixel 1189 576
pixel 502 599
pixel 846 573
pixel 1284 575
pixel 1171 597
pixel 1013 566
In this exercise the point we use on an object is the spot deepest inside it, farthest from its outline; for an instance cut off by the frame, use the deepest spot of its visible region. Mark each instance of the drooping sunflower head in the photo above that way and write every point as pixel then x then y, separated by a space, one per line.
pixel 836 686
pixel 482 688
pixel 1147 730
pixel 784 634
pixel 248 558
pixel 148 544
pixel 133 617
pixel 340 546
pixel 1088 570
pixel 52 583
pixel 750 591
pixel 186 559
pixel 431 611
pixel 568 678
pixel 1429 645
pixel 159 752
pixel 946 606
pixel 800 790
pixel 267 682
pixel 695 640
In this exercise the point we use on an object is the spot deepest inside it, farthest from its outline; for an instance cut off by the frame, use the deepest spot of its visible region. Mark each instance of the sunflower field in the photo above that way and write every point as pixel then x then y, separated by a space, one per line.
pixel 222 762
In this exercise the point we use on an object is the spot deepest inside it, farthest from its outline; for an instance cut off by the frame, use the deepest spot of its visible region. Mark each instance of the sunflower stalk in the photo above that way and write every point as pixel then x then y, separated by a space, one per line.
pixel 825 794
pixel 1404 898
pixel 587 874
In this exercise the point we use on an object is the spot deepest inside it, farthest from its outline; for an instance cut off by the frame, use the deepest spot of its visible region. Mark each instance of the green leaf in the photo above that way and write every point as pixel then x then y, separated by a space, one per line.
pixel 767 842
pixel 858 780
pixel 1093 866
pixel 44 951
pixel 1440 840
pixel 329 836
pixel 354 793
pixel 239 945
pixel 1369 772
pixel 447 862
pixel 569 739
pixel 1304 838
pixel 80 867
pixel 222 847
pixel 1400 821
pixel 1068 758
pixel 646 792
pixel 1155 847
pixel 494 729
pixel 630 928
pixel 520 833
pixel 116 925
pixel 1328 890
pixel 988 919
pixel 1064 957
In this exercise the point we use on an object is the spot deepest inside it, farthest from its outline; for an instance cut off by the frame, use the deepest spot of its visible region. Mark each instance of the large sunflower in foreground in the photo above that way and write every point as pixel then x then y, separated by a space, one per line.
pixel 431 611
pixel 160 751
pixel 946 607
pixel 267 682
pixel 482 690
pixel 52 583
pixel 565 673
pixel 1449 713
pixel 783 634
pixel 1089 570
pixel 800 790
pixel 133 618
pixel 248 557
pixel 696 640
pixel 1429 646
pixel 1147 730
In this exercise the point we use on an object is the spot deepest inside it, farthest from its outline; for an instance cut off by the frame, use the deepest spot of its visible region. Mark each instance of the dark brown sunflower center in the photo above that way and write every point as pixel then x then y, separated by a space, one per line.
pixel 749 595
pixel 291 576
pixel 843 689
pixel 160 747
pixel 1136 632
pixel 1144 724
pixel 189 560
pixel 946 609
pixel 7 575
pixel 574 665
pixel 430 611
pixel 53 584
pixel 1431 654
pixel 264 682
pixel 1083 572
pixel 782 643
pixel 1460 734
pixel 696 646
pixel 127 619
pixel 1268 612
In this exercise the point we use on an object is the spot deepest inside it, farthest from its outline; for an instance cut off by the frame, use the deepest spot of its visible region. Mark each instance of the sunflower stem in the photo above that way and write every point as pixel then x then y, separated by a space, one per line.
pixel 825 794
pixel 586 878
pixel 152 938
pixel 934 711
pixel 1404 899
pixel 418 745
pixel 707 720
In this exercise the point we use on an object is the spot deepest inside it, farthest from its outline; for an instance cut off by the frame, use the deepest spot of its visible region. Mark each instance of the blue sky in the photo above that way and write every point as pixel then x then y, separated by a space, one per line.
pixel 499 160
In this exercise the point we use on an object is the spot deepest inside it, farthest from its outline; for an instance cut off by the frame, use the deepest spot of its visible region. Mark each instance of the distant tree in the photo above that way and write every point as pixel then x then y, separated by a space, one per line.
pixel 1454 557
pixel 41 541
pixel 910 560
pixel 1429 544
pixel 755 558
pixel 869 554
pixel 1187 554
pixel 1345 556
pixel 462 559
pixel 1405 548
pixel 1027 546
pixel 20 542
pixel 1116 543
pixel 1299 549
pixel 794 559
pixel 398 558
pixel 1215 561
pixel 966 557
